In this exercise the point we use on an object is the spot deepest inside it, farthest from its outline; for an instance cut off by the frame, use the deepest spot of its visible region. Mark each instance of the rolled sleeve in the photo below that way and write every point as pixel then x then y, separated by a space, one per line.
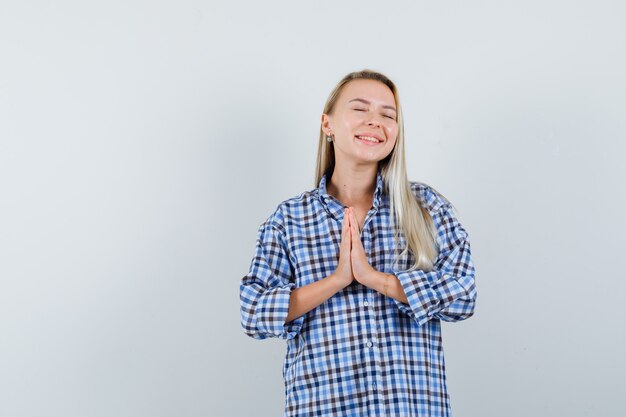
pixel 266 290
pixel 448 291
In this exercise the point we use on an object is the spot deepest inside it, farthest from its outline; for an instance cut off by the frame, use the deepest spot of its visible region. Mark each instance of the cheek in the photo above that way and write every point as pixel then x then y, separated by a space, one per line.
pixel 349 123
pixel 392 131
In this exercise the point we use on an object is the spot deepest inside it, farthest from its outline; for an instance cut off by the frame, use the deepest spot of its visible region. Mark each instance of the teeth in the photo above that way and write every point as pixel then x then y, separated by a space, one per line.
pixel 368 138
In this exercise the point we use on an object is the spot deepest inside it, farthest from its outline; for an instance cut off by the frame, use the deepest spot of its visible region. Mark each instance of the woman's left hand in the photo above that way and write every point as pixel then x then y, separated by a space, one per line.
pixel 361 269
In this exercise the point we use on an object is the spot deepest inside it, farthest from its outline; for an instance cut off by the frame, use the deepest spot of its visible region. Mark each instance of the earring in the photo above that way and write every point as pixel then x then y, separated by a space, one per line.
pixel 329 138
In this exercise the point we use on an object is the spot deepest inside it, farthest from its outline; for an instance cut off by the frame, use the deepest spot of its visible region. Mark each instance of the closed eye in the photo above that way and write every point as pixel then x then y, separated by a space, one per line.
pixel 385 115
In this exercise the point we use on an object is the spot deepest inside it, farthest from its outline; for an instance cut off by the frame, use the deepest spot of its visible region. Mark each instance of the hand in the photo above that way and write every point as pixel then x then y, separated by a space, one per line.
pixel 361 268
pixel 343 273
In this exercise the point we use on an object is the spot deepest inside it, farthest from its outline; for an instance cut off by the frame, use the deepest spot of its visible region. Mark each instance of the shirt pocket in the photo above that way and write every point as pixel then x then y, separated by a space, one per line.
pixel 316 258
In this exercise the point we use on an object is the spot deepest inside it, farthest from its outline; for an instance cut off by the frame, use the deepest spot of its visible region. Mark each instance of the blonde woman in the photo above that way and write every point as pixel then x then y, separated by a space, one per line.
pixel 357 273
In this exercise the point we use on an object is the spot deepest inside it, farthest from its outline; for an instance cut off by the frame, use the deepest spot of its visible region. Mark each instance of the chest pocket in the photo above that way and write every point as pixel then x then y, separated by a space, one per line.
pixel 316 255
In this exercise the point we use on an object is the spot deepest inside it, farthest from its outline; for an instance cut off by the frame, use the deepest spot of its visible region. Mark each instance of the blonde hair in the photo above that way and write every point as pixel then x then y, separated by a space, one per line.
pixel 407 215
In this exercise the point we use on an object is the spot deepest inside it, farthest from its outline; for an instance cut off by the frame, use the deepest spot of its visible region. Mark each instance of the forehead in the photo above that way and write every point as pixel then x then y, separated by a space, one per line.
pixel 371 90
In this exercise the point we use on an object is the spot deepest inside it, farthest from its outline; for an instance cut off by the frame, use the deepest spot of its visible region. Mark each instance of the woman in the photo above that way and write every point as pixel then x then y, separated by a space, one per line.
pixel 357 273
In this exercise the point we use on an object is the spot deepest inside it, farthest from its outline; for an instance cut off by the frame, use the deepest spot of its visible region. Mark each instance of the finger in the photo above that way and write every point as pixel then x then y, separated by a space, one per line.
pixel 349 227
pixel 356 238
pixel 353 222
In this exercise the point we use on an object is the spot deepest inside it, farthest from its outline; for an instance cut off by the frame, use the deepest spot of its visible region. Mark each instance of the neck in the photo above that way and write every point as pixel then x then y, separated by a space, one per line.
pixel 353 186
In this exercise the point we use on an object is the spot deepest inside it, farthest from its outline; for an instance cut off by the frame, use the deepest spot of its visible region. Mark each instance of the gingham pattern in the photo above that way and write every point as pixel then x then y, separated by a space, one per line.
pixel 359 353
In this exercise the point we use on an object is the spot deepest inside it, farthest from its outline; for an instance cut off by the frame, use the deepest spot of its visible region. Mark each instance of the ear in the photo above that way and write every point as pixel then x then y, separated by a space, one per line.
pixel 326 123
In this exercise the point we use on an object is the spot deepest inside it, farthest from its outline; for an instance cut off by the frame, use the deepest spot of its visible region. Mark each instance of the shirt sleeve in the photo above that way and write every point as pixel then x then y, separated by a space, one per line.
pixel 448 291
pixel 266 289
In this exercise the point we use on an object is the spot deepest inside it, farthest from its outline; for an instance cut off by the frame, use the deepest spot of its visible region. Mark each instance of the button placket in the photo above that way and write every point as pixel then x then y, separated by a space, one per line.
pixel 371 343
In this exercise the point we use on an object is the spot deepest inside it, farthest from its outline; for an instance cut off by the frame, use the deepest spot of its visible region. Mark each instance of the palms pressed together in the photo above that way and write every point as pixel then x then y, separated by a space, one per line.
pixel 360 267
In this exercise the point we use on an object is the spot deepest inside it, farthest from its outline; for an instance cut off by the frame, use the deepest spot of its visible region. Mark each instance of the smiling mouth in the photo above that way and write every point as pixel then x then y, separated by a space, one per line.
pixel 368 139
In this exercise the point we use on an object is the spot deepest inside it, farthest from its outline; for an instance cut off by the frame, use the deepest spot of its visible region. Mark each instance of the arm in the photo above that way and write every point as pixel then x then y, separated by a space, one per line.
pixel 271 306
pixel 448 292
pixel 305 299
pixel 266 290
pixel 387 284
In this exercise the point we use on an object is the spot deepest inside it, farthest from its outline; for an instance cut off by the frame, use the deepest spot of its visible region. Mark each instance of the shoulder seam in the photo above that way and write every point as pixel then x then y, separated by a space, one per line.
pixel 277 217
pixel 430 197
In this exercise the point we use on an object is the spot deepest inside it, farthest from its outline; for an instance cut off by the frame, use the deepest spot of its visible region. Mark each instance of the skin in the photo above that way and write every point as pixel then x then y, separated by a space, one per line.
pixel 353 183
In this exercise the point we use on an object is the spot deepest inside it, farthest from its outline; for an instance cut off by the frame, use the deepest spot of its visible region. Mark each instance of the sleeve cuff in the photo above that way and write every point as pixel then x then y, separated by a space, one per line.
pixel 272 309
pixel 419 290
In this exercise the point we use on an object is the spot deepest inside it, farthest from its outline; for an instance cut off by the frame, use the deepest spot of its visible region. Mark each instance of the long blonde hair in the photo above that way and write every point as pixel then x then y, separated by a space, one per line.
pixel 407 215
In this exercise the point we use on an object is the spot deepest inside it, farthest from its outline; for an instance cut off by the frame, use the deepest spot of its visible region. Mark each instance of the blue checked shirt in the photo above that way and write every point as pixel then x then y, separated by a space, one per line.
pixel 359 353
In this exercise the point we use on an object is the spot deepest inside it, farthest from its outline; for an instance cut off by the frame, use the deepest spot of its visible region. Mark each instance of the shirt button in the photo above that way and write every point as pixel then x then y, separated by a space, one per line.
pixel 369 343
pixel 366 303
pixel 374 385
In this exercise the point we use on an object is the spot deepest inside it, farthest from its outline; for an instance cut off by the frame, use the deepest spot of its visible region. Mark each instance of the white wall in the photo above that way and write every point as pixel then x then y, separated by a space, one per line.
pixel 142 144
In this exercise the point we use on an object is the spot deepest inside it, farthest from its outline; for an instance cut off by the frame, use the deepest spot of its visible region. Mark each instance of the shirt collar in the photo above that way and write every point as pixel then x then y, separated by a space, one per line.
pixel 336 208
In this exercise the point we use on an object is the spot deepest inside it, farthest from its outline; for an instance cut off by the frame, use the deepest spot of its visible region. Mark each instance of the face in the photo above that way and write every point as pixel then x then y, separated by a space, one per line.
pixel 363 123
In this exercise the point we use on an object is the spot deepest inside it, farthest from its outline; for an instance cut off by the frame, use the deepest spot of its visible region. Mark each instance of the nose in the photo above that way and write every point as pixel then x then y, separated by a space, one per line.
pixel 374 122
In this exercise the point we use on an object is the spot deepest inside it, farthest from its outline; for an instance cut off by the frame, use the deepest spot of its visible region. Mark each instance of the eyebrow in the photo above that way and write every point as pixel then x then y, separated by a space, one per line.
pixel 367 102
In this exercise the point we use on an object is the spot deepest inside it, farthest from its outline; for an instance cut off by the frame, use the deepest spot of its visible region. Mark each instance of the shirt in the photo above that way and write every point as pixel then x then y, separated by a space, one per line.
pixel 359 353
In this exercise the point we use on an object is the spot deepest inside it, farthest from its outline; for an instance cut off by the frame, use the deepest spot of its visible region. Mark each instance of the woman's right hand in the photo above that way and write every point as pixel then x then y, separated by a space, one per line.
pixel 343 273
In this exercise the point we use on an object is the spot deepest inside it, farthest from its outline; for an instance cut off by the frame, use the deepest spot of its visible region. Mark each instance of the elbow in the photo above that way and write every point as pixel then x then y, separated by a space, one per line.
pixel 264 313
pixel 250 325
pixel 460 309
pixel 457 312
pixel 249 322
pixel 252 332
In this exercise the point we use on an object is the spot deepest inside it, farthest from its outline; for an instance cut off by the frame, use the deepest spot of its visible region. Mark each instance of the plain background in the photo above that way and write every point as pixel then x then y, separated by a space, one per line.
pixel 144 142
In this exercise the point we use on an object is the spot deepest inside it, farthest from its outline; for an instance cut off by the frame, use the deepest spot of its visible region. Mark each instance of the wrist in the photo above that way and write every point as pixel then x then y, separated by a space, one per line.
pixel 337 281
pixel 375 280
